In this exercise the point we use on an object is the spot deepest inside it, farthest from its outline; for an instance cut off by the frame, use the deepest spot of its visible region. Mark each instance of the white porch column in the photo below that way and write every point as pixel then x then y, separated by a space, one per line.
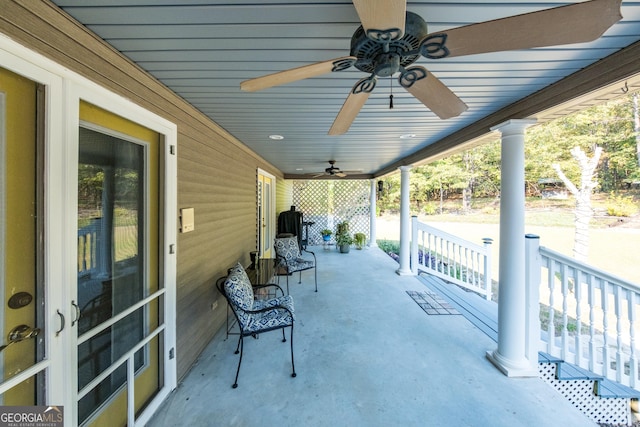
pixel 405 222
pixel 372 214
pixel 510 356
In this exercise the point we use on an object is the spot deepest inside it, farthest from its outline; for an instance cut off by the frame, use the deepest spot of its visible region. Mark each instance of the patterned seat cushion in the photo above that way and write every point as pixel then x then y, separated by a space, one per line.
pixel 256 322
pixel 238 288
pixel 299 264
pixel 289 255
pixel 287 248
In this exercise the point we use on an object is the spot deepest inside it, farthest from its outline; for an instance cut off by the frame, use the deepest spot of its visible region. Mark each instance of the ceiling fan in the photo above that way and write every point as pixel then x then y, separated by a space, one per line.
pixel 332 170
pixel 390 39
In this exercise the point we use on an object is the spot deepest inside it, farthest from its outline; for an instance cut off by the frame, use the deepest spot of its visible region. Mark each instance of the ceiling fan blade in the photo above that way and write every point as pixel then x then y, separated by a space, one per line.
pixel 431 92
pixel 299 73
pixel 340 174
pixel 574 23
pixel 382 20
pixel 352 106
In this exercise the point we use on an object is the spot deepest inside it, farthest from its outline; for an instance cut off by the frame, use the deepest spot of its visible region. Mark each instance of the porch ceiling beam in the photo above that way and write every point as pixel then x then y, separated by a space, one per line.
pixel 614 68
pixel 326 177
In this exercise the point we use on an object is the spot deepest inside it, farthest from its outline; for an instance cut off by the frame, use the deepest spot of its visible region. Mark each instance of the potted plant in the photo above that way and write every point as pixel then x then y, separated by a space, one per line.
pixel 344 242
pixel 343 237
pixel 359 239
pixel 326 234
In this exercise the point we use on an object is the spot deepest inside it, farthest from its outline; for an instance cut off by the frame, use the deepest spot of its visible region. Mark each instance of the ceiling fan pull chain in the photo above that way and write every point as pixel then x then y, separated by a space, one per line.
pixel 391 92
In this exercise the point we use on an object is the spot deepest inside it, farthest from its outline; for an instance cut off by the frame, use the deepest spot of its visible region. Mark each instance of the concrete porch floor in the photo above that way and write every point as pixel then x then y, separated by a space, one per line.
pixel 366 355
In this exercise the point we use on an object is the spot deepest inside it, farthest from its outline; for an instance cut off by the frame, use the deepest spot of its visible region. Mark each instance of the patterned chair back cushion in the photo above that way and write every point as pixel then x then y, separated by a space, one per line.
pixel 238 288
pixel 287 248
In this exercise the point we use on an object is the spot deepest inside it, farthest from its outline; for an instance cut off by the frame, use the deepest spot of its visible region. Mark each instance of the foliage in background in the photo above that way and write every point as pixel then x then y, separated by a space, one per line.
pixel 621 206
pixel 477 170
pixel 389 246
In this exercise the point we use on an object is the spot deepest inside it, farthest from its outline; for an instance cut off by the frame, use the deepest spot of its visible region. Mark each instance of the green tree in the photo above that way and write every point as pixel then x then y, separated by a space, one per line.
pixel 610 126
pixel 476 172
pixel 446 176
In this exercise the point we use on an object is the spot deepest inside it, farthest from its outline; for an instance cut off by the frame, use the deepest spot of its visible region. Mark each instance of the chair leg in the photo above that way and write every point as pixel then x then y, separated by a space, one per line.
pixel 241 343
pixel 284 339
pixel 293 366
pixel 287 282
pixel 300 277
pixel 315 277
pixel 238 346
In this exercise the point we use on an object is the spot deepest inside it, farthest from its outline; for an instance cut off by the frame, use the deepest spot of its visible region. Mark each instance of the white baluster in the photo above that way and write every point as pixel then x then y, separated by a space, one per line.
pixel 551 330
pixel 565 296
pixel 618 293
pixel 633 362
pixel 464 265
pixel 441 256
pixel 487 266
pixel 592 323
pixel 605 327
pixel 449 260
pixel 577 293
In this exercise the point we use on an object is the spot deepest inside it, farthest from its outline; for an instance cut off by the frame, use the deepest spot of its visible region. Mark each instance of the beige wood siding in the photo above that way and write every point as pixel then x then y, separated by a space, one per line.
pixel 284 195
pixel 216 173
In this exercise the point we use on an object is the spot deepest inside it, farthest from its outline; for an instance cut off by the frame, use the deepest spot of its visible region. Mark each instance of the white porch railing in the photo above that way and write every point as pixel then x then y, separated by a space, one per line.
pixel 88 247
pixel 451 258
pixel 590 315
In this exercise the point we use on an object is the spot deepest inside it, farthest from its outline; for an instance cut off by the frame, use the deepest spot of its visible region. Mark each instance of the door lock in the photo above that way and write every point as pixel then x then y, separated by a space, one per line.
pixel 20 333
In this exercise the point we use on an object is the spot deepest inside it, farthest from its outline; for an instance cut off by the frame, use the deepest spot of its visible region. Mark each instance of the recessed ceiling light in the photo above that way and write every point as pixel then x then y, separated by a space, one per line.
pixel 276 137
pixel 299 169
pixel 408 136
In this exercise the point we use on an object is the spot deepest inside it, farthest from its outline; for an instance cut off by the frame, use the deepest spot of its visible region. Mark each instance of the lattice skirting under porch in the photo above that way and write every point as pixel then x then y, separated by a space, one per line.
pixel 581 394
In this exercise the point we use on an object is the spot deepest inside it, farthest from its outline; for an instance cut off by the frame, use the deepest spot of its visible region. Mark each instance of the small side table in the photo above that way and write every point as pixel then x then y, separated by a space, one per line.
pixel 264 271
pixel 326 244
pixel 304 242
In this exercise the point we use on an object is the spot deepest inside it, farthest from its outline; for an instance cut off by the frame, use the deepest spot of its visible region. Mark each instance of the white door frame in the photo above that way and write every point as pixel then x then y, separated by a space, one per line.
pixel 270 217
pixel 64 90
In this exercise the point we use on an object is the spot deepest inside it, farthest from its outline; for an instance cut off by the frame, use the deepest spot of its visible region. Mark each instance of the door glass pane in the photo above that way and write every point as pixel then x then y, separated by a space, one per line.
pixel 111 262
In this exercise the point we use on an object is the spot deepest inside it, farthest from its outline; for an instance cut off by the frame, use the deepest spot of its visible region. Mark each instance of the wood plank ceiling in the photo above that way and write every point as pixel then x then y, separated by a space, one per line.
pixel 203 49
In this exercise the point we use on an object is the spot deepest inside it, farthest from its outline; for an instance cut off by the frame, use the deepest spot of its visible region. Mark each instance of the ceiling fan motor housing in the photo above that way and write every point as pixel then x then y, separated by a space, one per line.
pixel 384 58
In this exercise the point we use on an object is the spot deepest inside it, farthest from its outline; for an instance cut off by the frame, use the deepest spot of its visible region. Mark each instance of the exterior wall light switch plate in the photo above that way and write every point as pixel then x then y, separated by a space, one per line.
pixel 187 220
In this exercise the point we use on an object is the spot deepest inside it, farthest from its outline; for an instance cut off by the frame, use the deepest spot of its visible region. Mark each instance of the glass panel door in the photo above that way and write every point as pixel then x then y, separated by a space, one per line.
pixel 21 317
pixel 266 214
pixel 117 286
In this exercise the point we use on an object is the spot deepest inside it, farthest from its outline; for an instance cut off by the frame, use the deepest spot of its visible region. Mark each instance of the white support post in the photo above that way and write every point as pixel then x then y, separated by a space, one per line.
pixel 533 266
pixel 405 226
pixel 372 214
pixel 510 356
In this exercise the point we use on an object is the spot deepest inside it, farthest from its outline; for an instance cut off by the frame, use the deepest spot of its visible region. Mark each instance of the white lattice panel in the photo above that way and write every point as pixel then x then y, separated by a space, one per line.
pixel 328 202
pixel 581 394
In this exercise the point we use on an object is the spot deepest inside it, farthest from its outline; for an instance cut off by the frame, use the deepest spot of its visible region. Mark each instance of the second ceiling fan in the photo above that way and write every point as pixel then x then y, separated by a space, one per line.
pixel 390 39
pixel 333 170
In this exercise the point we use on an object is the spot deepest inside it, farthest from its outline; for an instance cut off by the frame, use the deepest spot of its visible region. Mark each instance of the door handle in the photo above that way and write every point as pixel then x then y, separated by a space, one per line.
pixel 61 322
pixel 78 314
pixel 20 333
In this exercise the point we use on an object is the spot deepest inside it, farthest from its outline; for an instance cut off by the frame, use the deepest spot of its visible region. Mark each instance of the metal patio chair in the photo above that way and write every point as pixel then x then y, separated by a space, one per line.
pixel 289 259
pixel 256 316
